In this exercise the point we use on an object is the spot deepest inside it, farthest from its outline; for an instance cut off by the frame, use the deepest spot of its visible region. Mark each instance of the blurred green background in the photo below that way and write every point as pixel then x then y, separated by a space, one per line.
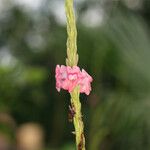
pixel 113 46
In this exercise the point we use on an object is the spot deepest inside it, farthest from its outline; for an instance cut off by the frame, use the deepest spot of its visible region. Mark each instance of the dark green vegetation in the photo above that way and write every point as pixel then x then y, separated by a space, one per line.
pixel 116 53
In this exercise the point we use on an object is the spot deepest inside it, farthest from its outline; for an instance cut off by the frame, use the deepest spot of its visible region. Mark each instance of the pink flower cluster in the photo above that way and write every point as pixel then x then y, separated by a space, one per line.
pixel 68 78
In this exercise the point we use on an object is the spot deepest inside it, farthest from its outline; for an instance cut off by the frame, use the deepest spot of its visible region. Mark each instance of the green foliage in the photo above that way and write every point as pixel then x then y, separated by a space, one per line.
pixel 116 54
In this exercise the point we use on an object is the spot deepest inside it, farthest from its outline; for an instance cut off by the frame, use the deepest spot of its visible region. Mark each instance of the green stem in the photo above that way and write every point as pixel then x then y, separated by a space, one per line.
pixel 72 56
pixel 77 120
pixel 72 60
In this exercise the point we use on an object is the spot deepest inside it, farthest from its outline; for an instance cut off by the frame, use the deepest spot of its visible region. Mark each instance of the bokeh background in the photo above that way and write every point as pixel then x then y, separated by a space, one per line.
pixel 113 46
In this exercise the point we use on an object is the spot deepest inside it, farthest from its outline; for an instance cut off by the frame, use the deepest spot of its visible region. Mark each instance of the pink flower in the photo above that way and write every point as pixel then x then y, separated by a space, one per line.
pixel 85 82
pixel 61 77
pixel 68 78
pixel 73 77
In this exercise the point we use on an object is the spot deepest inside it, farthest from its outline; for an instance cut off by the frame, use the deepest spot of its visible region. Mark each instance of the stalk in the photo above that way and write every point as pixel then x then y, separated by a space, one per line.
pixel 72 60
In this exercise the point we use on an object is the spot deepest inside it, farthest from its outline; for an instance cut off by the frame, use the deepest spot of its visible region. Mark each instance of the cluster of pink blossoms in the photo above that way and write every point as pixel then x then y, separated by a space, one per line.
pixel 68 78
